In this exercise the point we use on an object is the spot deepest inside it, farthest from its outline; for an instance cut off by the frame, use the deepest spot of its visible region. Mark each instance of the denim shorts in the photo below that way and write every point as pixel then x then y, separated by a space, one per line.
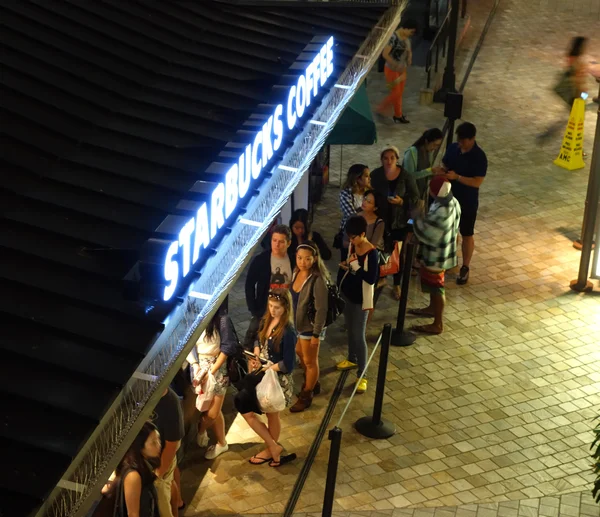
pixel 308 335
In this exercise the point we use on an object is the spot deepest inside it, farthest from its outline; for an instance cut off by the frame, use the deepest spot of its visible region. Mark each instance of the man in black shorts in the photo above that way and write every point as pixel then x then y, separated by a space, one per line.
pixel 466 166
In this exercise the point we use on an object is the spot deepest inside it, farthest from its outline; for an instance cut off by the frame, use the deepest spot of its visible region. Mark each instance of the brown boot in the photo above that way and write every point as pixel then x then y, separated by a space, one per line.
pixel 316 389
pixel 304 401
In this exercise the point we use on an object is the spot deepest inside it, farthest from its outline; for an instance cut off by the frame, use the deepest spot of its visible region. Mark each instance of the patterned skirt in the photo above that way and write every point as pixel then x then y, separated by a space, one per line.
pixel 221 377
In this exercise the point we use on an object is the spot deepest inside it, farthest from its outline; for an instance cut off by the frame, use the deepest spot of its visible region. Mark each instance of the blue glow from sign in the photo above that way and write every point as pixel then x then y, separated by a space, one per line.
pixel 197 233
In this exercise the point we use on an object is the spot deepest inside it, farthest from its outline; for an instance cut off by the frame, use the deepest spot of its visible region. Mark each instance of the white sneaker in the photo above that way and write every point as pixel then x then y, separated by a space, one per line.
pixel 215 450
pixel 202 439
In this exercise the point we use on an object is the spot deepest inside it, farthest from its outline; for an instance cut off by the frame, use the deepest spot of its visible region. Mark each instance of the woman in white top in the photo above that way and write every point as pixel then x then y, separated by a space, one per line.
pixel 210 353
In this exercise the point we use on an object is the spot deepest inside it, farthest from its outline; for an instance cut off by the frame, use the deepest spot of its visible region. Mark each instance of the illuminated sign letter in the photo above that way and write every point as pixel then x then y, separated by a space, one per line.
pixel 329 57
pixel 291 114
pixel 277 127
pixel 323 65
pixel 231 190
pixel 317 70
pixel 171 270
pixel 256 161
pixel 217 202
pixel 309 82
pixel 300 97
pixel 202 235
pixel 185 235
pixel 267 142
pixel 245 171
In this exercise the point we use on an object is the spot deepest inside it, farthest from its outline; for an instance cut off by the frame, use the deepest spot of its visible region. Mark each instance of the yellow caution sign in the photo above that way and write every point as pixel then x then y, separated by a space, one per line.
pixel 571 151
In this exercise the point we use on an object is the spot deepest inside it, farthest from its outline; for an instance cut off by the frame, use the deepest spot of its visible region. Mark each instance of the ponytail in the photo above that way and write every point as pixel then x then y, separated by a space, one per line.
pixel 431 135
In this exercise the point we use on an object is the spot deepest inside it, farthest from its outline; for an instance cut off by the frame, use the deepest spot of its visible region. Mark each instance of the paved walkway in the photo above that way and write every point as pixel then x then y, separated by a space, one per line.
pixel 494 416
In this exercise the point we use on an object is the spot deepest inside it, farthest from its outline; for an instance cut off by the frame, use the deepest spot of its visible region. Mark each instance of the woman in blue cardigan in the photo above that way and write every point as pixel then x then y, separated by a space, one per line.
pixel 277 343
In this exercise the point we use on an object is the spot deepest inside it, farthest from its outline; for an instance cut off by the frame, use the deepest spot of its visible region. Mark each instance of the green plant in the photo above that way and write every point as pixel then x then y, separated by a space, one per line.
pixel 596 465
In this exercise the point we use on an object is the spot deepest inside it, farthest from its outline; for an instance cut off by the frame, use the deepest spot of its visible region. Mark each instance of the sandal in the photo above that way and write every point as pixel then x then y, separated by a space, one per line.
pixel 259 460
pixel 282 460
pixel 420 312
pixel 425 329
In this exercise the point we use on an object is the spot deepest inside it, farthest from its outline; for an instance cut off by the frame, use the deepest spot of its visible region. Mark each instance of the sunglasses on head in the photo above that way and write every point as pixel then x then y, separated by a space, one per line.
pixel 277 296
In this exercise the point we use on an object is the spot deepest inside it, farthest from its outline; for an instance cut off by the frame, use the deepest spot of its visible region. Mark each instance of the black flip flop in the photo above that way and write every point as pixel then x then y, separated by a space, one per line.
pixel 261 462
pixel 282 460
pixel 181 507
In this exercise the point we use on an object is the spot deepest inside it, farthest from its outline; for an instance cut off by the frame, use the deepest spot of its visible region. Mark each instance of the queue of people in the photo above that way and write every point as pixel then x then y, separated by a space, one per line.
pixel 287 295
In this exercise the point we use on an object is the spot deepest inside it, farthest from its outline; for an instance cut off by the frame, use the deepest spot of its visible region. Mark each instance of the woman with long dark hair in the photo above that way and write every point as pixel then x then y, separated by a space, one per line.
pixel 210 354
pixel 133 485
pixel 357 183
pixel 310 301
pixel 277 343
pixel 302 232
pixel 417 158
pixel 372 211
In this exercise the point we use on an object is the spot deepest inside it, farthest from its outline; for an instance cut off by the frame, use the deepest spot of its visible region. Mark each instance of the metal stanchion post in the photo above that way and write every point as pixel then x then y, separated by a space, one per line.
pixel 400 337
pixel 590 213
pixel 373 426
pixel 335 435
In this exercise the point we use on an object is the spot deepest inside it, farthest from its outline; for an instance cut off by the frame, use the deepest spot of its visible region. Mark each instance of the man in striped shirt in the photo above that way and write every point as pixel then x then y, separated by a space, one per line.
pixel 437 232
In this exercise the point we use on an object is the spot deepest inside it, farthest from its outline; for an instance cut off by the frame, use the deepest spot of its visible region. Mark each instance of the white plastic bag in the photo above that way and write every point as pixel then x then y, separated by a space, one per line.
pixel 269 393
pixel 206 392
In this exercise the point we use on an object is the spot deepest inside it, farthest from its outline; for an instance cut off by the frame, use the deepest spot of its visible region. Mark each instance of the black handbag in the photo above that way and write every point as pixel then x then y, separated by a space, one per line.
pixel 237 364
pixel 338 240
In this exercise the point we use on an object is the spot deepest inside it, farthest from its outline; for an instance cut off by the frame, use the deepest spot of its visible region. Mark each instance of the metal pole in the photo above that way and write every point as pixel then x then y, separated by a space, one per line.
pixel 450 136
pixel 399 336
pixel 590 213
pixel 449 79
pixel 374 426
pixel 386 339
pixel 335 435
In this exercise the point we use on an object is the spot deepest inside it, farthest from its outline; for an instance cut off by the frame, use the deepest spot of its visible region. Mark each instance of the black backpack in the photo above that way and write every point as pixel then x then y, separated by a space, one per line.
pixel 335 305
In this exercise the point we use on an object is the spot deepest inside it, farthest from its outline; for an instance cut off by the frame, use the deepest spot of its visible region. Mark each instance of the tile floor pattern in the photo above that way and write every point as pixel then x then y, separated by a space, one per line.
pixel 494 416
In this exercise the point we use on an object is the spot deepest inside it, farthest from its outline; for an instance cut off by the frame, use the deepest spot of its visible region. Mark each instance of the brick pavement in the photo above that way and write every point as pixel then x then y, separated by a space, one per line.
pixel 493 416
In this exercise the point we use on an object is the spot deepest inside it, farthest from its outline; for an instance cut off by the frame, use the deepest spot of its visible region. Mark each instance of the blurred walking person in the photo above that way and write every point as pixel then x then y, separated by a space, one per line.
pixel 398 57
pixel 570 86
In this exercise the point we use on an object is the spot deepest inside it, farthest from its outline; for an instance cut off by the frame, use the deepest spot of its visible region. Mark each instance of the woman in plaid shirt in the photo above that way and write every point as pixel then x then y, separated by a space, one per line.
pixel 351 198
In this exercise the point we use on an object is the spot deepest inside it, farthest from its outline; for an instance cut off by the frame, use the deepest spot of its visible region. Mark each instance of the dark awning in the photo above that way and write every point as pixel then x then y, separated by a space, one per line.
pixel 356 125
pixel 111 112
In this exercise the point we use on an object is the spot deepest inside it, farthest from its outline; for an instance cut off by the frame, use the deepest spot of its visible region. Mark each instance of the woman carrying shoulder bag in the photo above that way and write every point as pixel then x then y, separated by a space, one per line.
pixel 310 300
pixel 210 354
pixel 357 287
